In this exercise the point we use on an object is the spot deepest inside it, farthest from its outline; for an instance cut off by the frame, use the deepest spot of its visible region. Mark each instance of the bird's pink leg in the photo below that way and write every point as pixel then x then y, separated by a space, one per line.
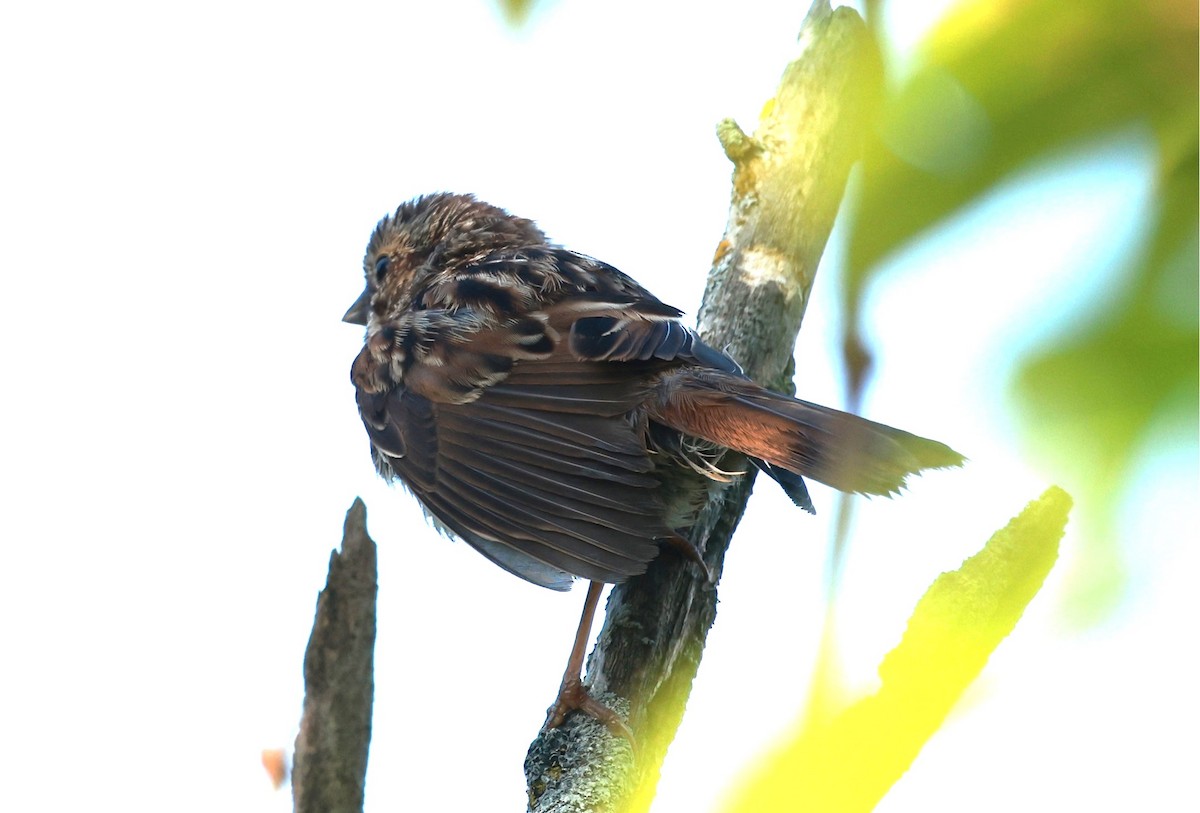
pixel 572 696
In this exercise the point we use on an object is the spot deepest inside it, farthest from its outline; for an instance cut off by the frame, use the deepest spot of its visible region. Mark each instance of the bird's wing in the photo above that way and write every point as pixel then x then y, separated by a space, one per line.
pixel 535 458
pixel 634 331
pixel 703 393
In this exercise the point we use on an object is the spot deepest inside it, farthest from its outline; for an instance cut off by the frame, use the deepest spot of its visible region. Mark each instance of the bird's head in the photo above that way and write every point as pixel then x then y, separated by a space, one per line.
pixel 426 237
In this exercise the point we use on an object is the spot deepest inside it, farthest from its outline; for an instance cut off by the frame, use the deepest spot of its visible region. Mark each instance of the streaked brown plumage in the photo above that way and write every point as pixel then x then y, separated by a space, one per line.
pixel 539 402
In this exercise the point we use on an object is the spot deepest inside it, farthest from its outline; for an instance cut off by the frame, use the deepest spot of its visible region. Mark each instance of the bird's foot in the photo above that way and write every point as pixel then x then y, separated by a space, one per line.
pixel 572 696
pixel 687 548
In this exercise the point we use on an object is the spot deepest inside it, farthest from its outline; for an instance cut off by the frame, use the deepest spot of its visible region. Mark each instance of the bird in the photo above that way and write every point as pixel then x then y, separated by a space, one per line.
pixel 549 411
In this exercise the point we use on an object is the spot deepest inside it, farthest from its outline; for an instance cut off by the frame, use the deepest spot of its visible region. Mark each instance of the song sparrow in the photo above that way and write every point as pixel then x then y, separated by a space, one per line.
pixel 540 404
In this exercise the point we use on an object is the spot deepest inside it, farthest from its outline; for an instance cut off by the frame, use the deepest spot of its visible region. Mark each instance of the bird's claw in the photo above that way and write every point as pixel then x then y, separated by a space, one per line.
pixel 573 696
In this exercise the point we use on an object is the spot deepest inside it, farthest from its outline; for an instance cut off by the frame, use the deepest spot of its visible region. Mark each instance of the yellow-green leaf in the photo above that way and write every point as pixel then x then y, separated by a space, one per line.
pixel 848 761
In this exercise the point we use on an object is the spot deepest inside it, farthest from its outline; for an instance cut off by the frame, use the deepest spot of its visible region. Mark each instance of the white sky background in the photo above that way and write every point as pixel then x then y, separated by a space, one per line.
pixel 186 195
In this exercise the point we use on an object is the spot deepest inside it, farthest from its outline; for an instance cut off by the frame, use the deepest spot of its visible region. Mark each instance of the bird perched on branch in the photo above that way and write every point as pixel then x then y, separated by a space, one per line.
pixel 541 405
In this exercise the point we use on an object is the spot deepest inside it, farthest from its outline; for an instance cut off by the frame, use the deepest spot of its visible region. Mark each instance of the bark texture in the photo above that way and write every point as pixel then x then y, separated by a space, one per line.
pixel 788 181
pixel 339 680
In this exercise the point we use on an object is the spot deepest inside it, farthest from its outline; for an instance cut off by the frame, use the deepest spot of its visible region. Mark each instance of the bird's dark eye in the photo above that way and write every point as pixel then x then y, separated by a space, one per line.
pixel 381 267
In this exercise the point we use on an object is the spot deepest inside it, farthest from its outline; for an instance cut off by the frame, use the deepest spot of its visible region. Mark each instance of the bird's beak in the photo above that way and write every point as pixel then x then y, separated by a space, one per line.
pixel 360 310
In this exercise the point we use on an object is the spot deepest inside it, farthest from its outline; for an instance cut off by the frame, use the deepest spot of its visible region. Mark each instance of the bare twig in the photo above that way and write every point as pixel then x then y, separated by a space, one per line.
pixel 788 181
pixel 335 731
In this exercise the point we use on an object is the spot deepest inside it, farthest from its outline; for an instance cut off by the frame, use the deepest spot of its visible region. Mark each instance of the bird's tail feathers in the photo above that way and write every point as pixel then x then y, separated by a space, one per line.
pixel 845 451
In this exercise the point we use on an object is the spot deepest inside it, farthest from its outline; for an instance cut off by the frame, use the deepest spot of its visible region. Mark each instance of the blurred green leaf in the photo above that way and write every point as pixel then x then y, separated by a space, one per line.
pixel 1088 400
pixel 516 12
pixel 998 87
pixel 1001 84
pixel 848 761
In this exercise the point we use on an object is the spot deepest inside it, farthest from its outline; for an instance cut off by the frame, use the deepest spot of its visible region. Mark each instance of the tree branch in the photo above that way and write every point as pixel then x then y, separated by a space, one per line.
pixel 335 731
pixel 788 180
